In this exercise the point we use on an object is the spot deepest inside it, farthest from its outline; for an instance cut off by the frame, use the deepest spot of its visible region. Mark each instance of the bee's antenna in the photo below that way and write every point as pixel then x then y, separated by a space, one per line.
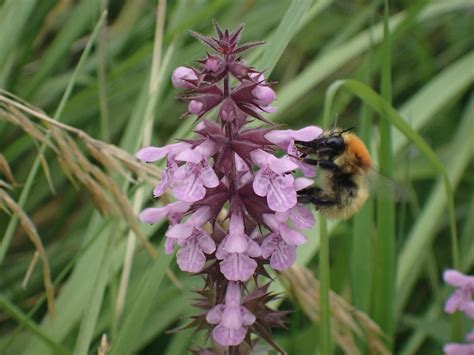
pixel 348 130
pixel 335 122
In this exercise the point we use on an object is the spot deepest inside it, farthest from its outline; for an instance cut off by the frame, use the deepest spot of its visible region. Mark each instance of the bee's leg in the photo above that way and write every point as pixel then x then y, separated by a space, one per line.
pixel 317 196
pixel 328 165
pixel 311 161
pixel 310 144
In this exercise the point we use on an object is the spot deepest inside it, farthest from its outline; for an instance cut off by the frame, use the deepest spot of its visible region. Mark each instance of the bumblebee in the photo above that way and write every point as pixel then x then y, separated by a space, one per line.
pixel 346 162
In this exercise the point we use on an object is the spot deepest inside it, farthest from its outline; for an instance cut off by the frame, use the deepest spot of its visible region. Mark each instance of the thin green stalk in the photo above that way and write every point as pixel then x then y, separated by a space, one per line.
pixel 156 70
pixel 324 273
pixel 12 224
pixel 102 78
pixel 384 278
pixel 362 253
pixel 324 280
pixel 24 320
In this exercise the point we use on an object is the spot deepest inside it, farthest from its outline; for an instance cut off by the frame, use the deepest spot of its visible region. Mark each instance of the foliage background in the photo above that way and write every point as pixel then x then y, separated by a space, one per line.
pixel 313 44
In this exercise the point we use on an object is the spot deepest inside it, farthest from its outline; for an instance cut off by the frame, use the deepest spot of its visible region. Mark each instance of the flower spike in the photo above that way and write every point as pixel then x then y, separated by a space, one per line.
pixel 235 215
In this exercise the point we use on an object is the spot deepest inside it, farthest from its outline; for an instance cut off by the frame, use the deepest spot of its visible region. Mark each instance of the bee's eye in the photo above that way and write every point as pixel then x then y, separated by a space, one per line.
pixel 336 143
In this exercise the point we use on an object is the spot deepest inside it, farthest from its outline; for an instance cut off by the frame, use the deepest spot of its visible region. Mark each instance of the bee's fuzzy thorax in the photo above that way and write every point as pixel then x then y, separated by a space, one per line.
pixel 357 151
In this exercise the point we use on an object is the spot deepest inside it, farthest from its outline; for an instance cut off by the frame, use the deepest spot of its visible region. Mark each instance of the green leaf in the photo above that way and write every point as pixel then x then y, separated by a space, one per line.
pixel 23 319
pixel 285 32
pixel 134 318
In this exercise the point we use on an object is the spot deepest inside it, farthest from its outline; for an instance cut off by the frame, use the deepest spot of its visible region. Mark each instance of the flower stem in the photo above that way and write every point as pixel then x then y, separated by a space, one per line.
pixel 324 279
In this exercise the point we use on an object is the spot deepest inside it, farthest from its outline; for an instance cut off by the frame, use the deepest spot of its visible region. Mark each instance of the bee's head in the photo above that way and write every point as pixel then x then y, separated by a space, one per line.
pixel 328 145
pixel 332 145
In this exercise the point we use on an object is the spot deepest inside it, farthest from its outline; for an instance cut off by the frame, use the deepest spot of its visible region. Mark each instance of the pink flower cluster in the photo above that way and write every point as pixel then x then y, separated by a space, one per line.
pixel 461 300
pixel 236 206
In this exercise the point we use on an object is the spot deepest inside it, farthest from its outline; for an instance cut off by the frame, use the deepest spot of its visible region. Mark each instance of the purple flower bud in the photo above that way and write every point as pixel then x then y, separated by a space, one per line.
pixel 264 94
pixel 195 107
pixel 182 77
pixel 212 64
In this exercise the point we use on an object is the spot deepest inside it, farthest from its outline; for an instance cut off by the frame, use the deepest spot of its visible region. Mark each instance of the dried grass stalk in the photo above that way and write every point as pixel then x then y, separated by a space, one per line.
pixel 80 170
pixel 347 324
pixel 30 230
pixel 6 171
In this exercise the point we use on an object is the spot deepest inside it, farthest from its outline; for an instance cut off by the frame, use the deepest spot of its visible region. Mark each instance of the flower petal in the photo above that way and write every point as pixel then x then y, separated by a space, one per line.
pixel 228 337
pixel 291 236
pixel 253 249
pixel 188 187
pixel 458 349
pixel 281 195
pixel 307 134
pixel 180 231
pixel 191 258
pixel 209 177
pixel 301 216
pixel 283 256
pixel 238 267
pixel 302 183
pixel 169 245
pixel 454 301
pixel 235 243
pixel 153 214
pixel 206 243
pixel 200 217
pixel 281 165
pixel 214 316
pixel 151 154
pixel 269 245
pixel 458 279
pixel 259 157
pixel 247 317
pixel 261 183
pixel 190 155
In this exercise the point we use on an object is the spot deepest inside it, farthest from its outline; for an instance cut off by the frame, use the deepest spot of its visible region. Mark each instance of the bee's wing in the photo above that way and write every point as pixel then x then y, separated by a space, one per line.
pixel 381 185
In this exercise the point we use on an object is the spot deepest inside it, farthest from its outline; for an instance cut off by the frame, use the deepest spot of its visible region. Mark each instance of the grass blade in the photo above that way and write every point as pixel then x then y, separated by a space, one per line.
pixel 149 287
pixel 384 273
pixel 285 32
pixel 34 169
pixel 23 319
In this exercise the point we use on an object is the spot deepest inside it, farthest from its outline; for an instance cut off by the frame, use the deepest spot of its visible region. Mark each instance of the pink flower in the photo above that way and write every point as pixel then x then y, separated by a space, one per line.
pixel 295 156
pixel 280 245
pixel 236 252
pixel 192 178
pixel 283 138
pixel 458 349
pixel 231 318
pixel 193 240
pixel 152 154
pixel 183 77
pixel 273 182
pixel 461 299
pixel 173 211
pixel 300 215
